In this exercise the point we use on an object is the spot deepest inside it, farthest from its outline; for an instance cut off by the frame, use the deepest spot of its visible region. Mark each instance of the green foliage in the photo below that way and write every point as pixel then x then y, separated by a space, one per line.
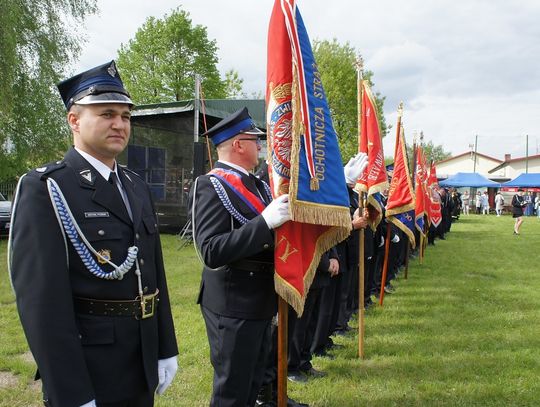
pixel 160 63
pixel 460 331
pixel 36 45
pixel 336 64
pixel 432 152
pixel 233 84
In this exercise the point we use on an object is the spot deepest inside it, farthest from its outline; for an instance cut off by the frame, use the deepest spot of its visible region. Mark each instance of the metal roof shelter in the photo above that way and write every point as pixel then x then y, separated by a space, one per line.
pixel 163 152
pixel 528 180
pixel 468 179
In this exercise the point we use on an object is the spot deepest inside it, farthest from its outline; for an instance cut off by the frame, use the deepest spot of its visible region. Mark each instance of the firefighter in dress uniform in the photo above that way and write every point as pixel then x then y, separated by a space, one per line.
pixel 233 218
pixel 86 263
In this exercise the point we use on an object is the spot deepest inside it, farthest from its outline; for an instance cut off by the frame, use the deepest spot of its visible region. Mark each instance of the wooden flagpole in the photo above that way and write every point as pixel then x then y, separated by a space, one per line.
pixel 283 325
pixel 388 224
pixel 361 250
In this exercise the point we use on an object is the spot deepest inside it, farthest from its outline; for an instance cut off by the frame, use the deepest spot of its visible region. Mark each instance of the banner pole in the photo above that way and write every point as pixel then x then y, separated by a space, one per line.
pixel 359 65
pixel 283 323
pixel 385 264
pixel 389 224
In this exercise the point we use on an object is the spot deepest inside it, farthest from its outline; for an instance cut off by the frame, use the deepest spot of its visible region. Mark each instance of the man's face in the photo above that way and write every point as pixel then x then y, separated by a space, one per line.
pixel 251 145
pixel 101 130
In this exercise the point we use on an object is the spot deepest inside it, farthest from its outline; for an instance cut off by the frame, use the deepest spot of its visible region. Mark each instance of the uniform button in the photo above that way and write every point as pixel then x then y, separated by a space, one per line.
pixel 141 262
pixel 136 236
pixel 251 273
pixel 266 246
pixel 80 336
pixel 145 289
pixel 101 232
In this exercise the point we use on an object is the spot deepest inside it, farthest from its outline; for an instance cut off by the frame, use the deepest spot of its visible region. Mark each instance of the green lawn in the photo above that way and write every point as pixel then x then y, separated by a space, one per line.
pixel 463 330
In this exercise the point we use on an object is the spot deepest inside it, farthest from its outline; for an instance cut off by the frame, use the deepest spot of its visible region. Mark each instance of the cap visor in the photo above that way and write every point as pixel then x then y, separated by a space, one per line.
pixel 254 131
pixel 110 97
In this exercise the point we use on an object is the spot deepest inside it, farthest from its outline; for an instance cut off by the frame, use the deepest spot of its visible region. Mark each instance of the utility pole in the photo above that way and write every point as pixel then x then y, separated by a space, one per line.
pixel 196 108
pixel 526 154
pixel 475 150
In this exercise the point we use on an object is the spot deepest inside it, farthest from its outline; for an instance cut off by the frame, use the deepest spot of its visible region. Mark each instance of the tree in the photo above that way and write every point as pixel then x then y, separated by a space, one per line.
pixel 432 152
pixel 233 84
pixel 339 78
pixel 36 45
pixel 160 63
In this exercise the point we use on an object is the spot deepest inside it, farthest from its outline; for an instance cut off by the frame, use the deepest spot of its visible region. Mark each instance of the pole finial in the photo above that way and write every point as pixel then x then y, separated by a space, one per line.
pixel 359 63
pixel 400 109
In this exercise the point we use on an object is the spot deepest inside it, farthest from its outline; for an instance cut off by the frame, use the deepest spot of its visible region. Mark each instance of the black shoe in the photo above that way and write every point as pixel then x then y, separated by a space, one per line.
pixel 297 377
pixel 388 289
pixel 312 372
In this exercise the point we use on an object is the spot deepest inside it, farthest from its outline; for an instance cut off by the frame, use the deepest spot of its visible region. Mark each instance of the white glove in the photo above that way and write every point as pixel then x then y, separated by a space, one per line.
pixel 90 404
pixel 277 212
pixel 395 239
pixel 166 371
pixel 381 243
pixel 355 167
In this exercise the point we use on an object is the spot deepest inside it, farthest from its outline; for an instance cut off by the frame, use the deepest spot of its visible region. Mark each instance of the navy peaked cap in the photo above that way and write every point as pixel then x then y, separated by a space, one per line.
pixel 240 122
pixel 101 84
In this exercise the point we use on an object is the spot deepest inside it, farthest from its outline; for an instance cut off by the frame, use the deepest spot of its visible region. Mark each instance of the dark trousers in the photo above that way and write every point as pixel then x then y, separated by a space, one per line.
pixel 142 400
pixel 299 340
pixel 238 352
pixel 321 328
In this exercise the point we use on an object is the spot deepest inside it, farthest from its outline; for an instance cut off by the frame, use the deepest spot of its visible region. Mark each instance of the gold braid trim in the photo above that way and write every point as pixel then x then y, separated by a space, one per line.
pixel 331 215
pixel 324 243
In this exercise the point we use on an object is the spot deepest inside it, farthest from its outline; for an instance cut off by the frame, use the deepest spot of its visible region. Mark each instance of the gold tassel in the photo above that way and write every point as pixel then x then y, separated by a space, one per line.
pixel 314 184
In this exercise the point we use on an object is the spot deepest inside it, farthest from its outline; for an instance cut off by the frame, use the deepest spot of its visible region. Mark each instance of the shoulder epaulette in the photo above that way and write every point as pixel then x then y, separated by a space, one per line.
pixel 43 172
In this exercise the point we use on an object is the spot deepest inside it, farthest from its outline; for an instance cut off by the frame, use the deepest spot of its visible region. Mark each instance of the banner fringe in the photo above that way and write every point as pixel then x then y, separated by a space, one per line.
pixel 320 215
pixel 325 242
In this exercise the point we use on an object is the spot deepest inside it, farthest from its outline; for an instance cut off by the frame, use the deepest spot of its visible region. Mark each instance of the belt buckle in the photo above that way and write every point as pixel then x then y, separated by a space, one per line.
pixel 148 305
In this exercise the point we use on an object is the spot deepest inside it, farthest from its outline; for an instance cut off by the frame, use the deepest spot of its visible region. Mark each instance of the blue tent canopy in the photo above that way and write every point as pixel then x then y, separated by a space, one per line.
pixel 468 179
pixel 530 180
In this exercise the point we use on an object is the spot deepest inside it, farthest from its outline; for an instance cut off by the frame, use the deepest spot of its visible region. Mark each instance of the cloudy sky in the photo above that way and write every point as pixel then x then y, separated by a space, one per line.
pixel 462 68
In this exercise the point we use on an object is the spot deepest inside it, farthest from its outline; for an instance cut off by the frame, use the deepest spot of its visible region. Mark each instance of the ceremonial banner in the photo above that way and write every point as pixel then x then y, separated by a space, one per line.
pixel 374 179
pixel 420 190
pixel 400 205
pixel 434 210
pixel 303 156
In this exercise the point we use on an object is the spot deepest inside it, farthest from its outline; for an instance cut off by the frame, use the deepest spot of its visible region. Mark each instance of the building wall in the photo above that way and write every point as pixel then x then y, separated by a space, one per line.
pixel 515 168
pixel 465 163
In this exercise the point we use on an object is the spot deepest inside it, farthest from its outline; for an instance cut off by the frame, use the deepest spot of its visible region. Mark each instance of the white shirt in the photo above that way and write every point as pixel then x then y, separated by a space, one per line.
pixel 236 167
pixel 106 172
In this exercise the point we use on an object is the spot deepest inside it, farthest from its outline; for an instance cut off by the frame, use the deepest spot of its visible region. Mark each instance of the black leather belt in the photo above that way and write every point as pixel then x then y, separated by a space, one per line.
pixel 252 265
pixel 137 308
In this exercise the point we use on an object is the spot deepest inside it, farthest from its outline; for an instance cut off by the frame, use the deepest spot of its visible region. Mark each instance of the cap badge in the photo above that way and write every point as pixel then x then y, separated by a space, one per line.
pixel 104 255
pixel 112 70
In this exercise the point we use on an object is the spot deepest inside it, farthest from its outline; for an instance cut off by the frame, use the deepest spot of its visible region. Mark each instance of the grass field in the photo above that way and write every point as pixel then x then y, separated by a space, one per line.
pixel 462 330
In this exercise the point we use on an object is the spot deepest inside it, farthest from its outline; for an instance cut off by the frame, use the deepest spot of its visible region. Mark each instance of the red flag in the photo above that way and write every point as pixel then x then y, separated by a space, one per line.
pixel 420 190
pixel 400 204
pixel 374 180
pixel 434 210
pixel 303 156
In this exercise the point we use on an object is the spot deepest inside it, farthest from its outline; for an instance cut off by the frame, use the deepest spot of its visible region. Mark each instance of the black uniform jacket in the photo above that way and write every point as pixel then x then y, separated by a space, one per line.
pixel 82 357
pixel 232 285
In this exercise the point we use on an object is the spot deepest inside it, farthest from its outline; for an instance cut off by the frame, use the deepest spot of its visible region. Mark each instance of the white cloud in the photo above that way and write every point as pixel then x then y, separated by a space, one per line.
pixel 461 67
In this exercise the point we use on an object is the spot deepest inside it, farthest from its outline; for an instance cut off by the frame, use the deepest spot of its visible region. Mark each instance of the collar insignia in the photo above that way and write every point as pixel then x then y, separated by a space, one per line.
pixel 87 176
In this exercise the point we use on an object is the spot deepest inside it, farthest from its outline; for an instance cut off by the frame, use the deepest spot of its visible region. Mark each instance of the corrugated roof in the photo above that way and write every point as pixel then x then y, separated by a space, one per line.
pixel 219 108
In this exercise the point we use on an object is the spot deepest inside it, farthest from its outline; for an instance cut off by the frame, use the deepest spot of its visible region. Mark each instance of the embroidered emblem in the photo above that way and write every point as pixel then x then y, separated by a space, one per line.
pixel 103 256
